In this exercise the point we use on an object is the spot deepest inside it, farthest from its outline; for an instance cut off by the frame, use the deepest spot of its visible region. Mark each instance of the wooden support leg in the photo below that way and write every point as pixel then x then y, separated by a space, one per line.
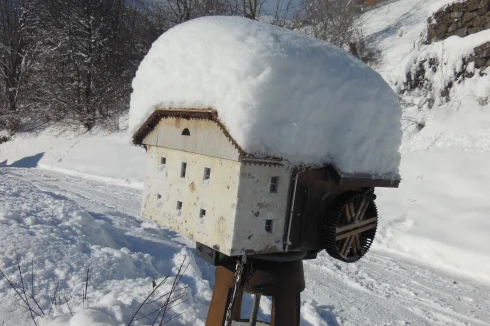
pixel 281 281
pixel 223 287
pixel 286 310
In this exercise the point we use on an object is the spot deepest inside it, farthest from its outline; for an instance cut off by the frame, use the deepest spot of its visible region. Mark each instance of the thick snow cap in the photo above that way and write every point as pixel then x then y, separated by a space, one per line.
pixel 279 93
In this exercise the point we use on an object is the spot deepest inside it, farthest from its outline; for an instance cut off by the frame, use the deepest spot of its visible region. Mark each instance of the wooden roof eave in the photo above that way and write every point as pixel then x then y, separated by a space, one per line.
pixel 362 180
pixel 199 114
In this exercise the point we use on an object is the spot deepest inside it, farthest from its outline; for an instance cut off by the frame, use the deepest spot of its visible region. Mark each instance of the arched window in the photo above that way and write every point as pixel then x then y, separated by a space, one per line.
pixel 186 132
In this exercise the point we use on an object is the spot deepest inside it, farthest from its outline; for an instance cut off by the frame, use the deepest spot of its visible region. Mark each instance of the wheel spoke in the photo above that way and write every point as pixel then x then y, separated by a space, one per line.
pixel 356 231
pixel 363 212
pixel 357 242
pixel 352 210
pixel 359 211
pixel 346 247
pixel 356 225
pixel 347 213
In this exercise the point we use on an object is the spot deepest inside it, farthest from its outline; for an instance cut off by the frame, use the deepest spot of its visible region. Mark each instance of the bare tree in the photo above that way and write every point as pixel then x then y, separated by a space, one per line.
pixel 87 78
pixel 283 15
pixel 17 52
pixel 339 23
pixel 165 14
pixel 334 21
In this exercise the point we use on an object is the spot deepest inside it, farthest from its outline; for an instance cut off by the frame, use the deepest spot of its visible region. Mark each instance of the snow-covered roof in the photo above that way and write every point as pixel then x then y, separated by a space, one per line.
pixel 279 93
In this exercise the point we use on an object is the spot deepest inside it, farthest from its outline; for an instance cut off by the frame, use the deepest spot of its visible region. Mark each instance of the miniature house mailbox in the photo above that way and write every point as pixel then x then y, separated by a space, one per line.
pixel 203 185
pixel 262 142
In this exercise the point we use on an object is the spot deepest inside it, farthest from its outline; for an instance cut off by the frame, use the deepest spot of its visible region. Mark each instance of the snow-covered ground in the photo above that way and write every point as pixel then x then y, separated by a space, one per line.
pixel 66 223
pixel 70 200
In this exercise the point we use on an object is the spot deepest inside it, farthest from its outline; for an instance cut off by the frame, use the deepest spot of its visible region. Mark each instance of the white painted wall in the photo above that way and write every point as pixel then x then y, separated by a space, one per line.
pixel 237 198
pixel 218 196
pixel 257 204
pixel 206 138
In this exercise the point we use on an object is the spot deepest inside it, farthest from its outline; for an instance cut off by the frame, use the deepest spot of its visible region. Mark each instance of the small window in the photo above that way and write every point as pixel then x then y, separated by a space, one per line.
pixel 159 196
pixel 207 174
pixel 273 186
pixel 268 226
pixel 179 205
pixel 163 160
pixel 186 132
pixel 202 213
pixel 183 169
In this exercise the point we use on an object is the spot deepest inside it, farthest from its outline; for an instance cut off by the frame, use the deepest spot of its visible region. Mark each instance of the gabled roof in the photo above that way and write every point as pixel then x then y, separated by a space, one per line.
pixel 197 114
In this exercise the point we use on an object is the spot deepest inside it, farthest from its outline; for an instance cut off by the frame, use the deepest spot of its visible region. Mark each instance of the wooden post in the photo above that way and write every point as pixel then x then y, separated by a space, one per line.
pixel 284 282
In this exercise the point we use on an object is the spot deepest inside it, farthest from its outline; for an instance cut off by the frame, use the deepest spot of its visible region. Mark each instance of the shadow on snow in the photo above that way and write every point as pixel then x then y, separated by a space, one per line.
pixel 28 162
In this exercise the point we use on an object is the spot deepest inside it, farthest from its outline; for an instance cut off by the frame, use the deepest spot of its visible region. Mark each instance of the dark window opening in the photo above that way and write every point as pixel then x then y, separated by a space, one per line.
pixel 268 226
pixel 274 182
pixel 163 160
pixel 207 174
pixel 159 196
pixel 202 213
pixel 179 205
pixel 186 132
pixel 183 169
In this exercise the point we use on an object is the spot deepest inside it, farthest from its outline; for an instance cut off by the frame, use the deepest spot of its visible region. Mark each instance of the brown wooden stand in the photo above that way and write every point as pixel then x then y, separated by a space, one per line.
pixel 284 282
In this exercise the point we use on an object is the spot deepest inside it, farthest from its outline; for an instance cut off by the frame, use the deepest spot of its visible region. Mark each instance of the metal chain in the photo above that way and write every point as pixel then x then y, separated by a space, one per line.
pixel 240 267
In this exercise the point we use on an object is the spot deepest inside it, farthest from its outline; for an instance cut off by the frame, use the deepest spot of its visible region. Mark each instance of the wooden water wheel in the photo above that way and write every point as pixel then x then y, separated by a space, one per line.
pixel 350 226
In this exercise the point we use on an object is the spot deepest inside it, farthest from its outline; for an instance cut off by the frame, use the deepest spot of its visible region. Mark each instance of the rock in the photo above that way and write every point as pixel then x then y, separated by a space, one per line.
pixel 480 63
pixel 456 14
pixel 468 16
pixel 460 18
pixel 478 22
pixel 441 30
pixel 473 30
pixel 473 4
pixel 483 4
pixel 462 32
pixel 482 53
pixel 482 47
pixel 487 64
pixel 458 6
pixel 455 26
pixel 482 11
pixel 431 34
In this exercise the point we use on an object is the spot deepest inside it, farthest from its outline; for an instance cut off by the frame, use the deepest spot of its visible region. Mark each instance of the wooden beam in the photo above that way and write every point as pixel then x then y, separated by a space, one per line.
pixel 356 225
pixel 354 232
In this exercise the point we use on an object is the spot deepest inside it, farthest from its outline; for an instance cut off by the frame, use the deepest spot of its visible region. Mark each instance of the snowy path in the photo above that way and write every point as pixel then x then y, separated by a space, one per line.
pixel 380 290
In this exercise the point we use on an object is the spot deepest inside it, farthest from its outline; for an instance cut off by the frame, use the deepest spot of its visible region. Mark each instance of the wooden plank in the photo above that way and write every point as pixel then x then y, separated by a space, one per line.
pixel 357 242
pixel 347 213
pixel 352 209
pixel 346 247
pixel 360 209
pixel 357 231
pixel 364 211
pixel 356 225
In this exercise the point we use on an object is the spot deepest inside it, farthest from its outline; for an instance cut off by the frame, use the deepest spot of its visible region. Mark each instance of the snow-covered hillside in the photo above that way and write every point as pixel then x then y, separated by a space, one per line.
pixel 68 200
pixel 438 215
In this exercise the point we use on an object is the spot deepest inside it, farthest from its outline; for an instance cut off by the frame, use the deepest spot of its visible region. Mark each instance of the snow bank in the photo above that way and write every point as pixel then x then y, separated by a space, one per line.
pixel 443 197
pixel 96 155
pixel 84 317
pixel 449 54
pixel 62 239
pixel 278 93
